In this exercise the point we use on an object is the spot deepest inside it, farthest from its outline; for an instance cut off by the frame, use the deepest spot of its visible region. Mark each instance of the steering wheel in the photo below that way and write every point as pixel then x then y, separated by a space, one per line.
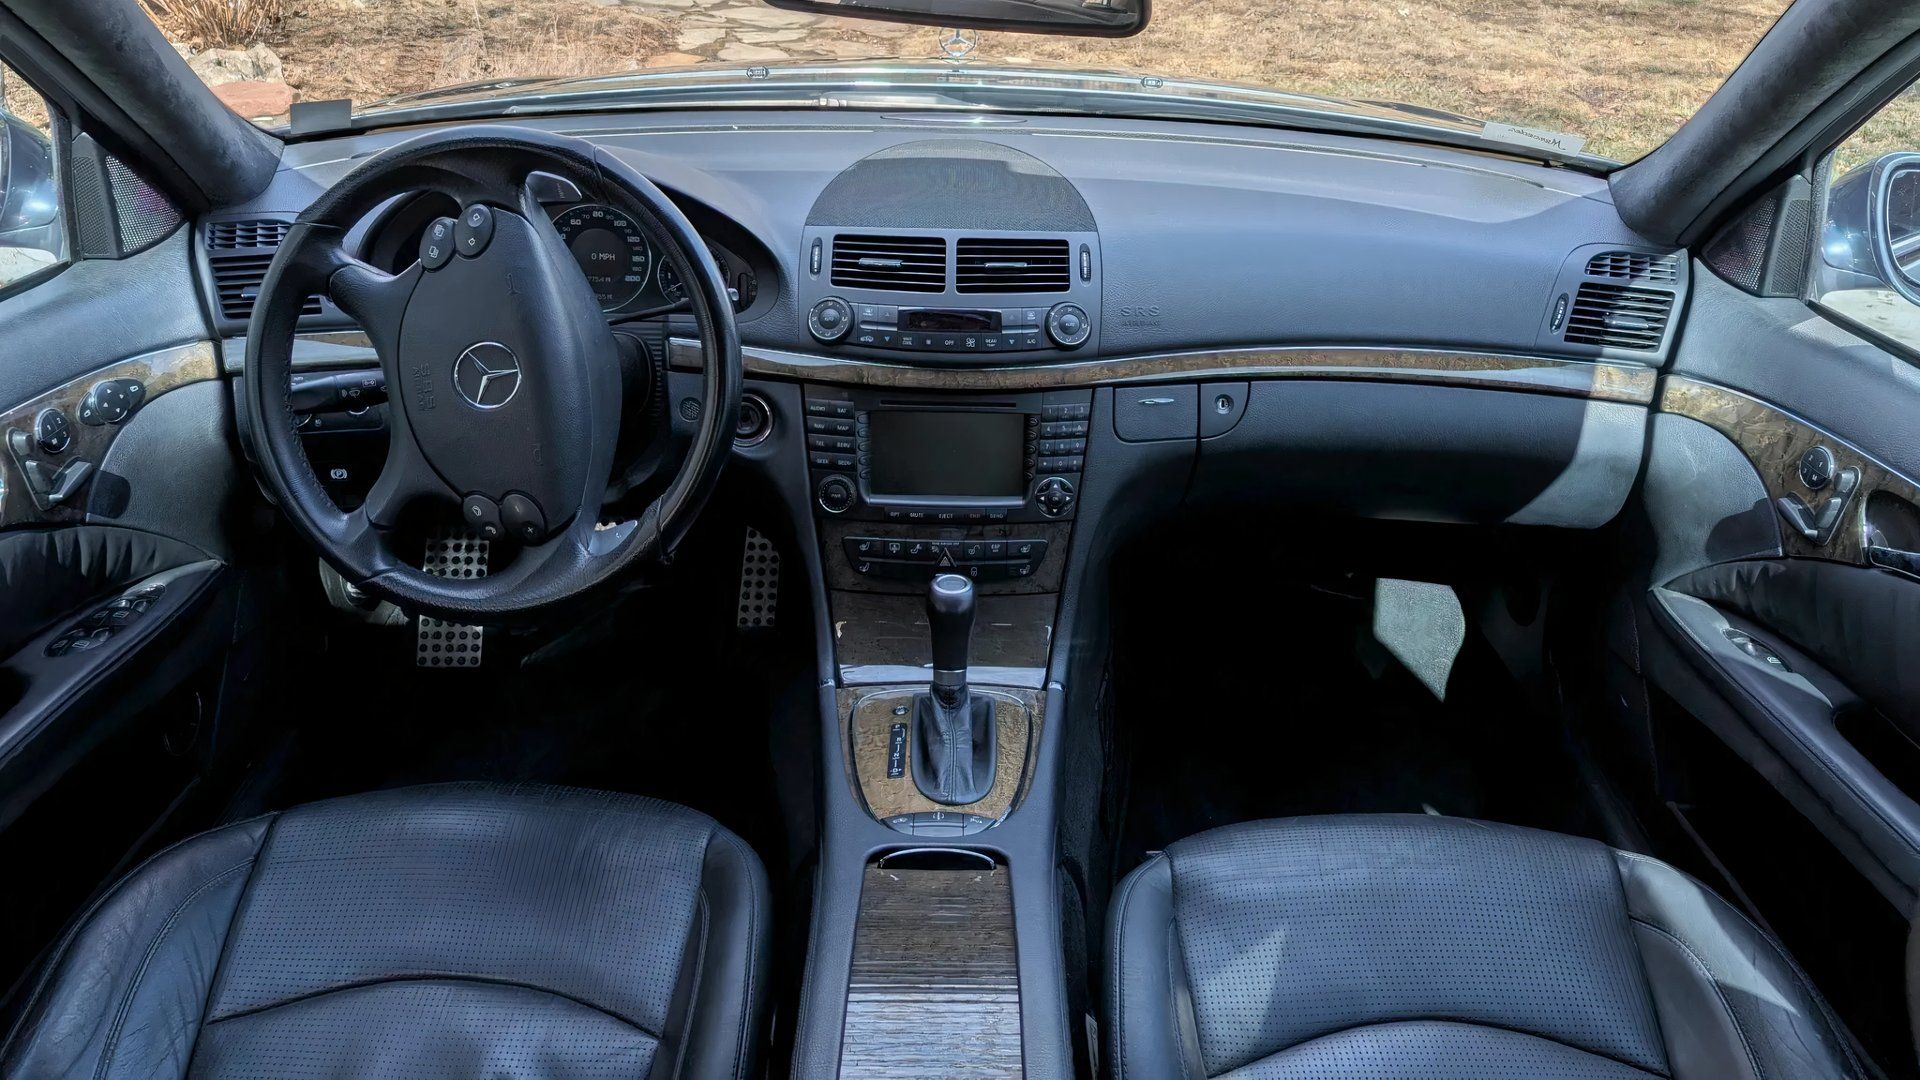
pixel 503 377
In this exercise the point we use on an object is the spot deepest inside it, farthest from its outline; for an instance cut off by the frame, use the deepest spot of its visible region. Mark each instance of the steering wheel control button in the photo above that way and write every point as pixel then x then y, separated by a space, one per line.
pixel 830 320
pixel 522 518
pixel 436 244
pixel 1068 325
pixel 482 515
pixel 1055 496
pixel 835 494
pixel 475 230
pixel 1817 468
pixel 111 401
pixel 52 432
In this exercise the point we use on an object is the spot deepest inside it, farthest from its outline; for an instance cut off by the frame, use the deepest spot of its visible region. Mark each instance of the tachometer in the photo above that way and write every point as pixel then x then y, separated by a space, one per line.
pixel 673 289
pixel 612 252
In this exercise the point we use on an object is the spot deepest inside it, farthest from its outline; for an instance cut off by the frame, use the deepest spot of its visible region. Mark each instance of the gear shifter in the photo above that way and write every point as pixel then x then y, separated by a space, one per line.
pixel 954 744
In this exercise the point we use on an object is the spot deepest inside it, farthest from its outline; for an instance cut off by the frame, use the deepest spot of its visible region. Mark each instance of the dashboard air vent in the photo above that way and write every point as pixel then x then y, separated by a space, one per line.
pixel 901 263
pixel 1633 266
pixel 1619 316
pixel 238 253
pixel 227 235
pixel 1012 266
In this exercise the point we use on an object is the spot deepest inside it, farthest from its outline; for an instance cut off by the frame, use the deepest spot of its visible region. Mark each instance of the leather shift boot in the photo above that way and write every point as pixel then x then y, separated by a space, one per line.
pixel 955 748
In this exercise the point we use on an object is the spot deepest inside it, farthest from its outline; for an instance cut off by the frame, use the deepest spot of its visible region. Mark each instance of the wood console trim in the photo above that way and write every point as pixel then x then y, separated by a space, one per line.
pixel 934 985
pixel 867 716
pixel 161 371
pixel 1773 441
pixel 1596 380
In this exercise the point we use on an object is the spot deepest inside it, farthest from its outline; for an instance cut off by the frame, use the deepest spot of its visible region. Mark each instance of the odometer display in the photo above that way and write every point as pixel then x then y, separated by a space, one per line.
pixel 612 252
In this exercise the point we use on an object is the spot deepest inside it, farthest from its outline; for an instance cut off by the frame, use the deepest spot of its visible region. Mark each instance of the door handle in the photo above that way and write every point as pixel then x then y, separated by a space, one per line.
pixel 1818 525
pixel 1894 559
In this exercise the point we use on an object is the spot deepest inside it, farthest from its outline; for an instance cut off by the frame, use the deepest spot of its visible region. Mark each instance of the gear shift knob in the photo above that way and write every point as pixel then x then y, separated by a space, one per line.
pixel 950 614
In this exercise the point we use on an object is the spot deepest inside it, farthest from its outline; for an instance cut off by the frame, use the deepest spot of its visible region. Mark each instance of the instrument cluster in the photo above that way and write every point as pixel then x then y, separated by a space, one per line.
pixel 628 273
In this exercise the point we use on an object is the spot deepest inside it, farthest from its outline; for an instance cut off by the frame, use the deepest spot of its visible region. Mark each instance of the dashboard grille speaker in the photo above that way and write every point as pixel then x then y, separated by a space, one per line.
pixel 905 263
pixel 146 217
pixel 1619 316
pixel 238 253
pixel 1012 265
pixel 1633 266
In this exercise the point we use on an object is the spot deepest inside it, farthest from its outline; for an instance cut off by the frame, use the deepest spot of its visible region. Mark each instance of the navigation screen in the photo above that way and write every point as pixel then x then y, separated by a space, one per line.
pixel 954 454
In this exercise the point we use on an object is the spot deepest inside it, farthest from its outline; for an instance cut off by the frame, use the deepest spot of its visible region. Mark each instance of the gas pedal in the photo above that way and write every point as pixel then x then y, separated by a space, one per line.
pixel 759 583
pixel 440 644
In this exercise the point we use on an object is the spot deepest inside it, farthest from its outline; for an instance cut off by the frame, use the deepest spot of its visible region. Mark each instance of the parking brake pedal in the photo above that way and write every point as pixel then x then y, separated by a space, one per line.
pixel 439 644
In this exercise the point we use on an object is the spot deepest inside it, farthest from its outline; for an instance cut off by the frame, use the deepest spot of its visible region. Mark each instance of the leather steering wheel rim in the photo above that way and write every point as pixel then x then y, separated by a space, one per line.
pixel 552 439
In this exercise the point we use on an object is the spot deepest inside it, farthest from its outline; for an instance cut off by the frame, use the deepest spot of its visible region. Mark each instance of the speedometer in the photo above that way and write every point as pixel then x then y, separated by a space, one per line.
pixel 612 252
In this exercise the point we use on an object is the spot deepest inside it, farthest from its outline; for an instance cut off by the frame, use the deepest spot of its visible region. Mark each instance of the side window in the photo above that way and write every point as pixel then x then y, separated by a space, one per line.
pixel 32 229
pixel 1867 268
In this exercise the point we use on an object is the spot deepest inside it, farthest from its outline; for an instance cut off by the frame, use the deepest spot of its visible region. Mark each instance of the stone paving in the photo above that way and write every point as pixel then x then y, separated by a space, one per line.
pixel 749 32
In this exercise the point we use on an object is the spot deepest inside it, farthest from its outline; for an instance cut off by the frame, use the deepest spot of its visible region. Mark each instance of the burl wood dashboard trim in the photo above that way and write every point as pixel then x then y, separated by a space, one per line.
pixel 1773 440
pixel 161 371
pixel 1596 380
pixel 868 715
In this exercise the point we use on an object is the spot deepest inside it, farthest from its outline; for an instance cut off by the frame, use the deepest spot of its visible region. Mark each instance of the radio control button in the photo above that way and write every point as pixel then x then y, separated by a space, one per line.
pixel 834 494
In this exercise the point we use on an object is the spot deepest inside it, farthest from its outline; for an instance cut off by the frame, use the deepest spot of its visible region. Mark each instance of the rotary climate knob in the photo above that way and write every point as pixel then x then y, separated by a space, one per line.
pixel 830 320
pixel 1068 325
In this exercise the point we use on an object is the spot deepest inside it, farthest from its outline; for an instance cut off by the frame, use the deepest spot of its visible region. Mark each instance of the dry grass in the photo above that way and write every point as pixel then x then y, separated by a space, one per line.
pixel 369 49
pixel 216 24
pixel 1624 73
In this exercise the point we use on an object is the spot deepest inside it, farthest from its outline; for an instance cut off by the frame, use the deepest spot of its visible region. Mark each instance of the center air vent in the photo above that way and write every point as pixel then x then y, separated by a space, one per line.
pixel 1619 316
pixel 1012 266
pixel 1633 266
pixel 899 263
pixel 238 253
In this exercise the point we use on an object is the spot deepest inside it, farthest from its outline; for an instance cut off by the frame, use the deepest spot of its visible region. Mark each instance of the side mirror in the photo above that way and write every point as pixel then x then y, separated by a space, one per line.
pixel 1082 18
pixel 28 196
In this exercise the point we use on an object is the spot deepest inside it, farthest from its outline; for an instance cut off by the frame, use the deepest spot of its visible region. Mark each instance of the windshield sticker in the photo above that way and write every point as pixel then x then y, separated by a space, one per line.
pixel 1559 142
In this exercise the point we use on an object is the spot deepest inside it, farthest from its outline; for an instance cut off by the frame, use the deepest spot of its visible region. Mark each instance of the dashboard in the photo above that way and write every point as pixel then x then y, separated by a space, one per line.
pixel 1486 325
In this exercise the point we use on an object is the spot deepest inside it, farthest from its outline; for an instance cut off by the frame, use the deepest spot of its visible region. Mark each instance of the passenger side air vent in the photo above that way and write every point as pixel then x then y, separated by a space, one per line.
pixel 238 253
pixel 1619 316
pixel 1012 266
pixel 900 263
pixel 1633 266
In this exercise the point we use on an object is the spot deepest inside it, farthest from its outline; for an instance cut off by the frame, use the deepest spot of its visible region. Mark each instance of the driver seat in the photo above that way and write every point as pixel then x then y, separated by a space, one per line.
pixel 455 930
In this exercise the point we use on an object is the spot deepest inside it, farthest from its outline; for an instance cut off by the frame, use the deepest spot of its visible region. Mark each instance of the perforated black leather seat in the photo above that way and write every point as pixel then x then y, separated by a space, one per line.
pixel 457 931
pixel 1412 946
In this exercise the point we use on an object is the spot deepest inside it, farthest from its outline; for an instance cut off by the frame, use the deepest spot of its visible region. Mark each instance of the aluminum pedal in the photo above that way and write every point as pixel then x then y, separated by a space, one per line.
pixel 440 644
pixel 759 583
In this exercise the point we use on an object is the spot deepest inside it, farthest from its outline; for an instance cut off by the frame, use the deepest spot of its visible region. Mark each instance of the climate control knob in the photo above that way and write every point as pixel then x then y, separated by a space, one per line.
pixel 830 320
pixel 1068 325
pixel 834 494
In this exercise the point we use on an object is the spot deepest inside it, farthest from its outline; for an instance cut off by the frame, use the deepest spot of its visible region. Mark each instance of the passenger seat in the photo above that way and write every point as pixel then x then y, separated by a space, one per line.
pixel 1416 946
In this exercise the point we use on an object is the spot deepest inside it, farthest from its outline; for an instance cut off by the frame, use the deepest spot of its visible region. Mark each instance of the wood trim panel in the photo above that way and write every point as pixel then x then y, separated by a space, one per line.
pixel 1596 380
pixel 934 985
pixel 867 718
pixel 161 371
pixel 1773 440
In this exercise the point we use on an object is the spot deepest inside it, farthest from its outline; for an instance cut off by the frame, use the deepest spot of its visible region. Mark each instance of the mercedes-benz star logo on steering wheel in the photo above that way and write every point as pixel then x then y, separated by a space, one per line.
pixel 487 375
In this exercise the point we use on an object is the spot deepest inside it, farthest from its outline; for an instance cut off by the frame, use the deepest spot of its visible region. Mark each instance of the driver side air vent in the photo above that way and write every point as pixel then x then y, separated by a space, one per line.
pixel 238 253
pixel 1633 266
pixel 1012 266
pixel 1619 316
pixel 901 263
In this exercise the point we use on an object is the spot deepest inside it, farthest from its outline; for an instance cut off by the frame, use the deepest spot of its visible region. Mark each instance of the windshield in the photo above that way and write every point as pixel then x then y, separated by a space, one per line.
pixel 1617 76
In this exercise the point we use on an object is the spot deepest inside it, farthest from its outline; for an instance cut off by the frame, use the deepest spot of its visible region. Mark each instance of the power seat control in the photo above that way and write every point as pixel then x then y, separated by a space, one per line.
pixel 1055 495
pixel 834 494
pixel 830 320
pixel 1068 325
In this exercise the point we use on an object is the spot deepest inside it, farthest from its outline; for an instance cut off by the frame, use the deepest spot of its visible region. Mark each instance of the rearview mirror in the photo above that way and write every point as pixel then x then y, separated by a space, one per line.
pixel 1083 18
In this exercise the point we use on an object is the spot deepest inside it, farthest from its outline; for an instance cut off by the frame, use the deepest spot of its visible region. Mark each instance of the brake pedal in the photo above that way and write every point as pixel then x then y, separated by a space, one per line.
pixel 441 644
pixel 759 583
